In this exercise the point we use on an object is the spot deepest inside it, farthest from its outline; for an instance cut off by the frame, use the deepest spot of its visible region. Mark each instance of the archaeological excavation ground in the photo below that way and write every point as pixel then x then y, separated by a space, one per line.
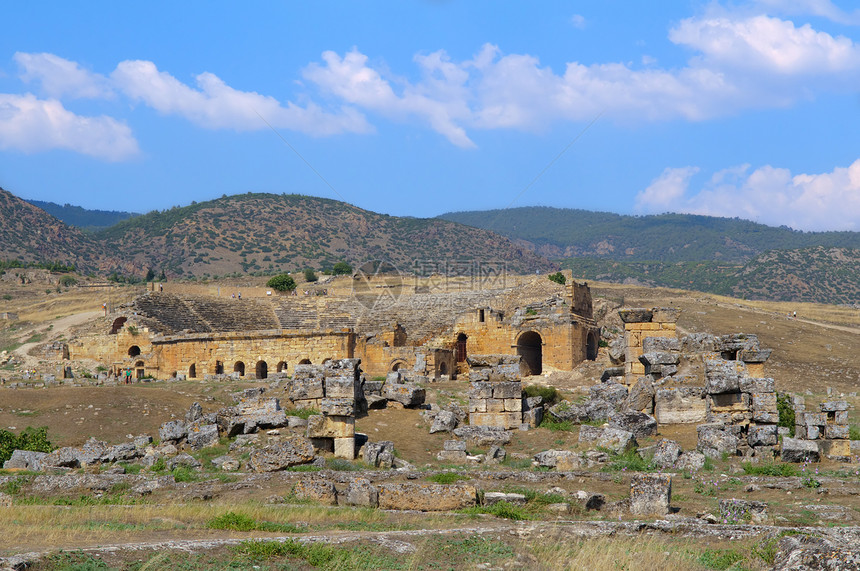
pixel 395 423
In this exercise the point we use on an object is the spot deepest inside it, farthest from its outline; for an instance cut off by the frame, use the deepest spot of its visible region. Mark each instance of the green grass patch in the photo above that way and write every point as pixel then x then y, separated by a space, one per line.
pixel 720 558
pixel 501 509
pixel 304 468
pixel 347 558
pixel 303 412
pixel 629 461
pixel 854 432
pixel 770 469
pixel 447 478
pixel 239 522
pixel 557 425
pixel 550 395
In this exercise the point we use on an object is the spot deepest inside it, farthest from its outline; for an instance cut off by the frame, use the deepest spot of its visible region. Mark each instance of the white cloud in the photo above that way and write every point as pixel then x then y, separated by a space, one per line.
pixel 826 201
pixel 216 105
pixel 578 21
pixel 32 125
pixel 60 77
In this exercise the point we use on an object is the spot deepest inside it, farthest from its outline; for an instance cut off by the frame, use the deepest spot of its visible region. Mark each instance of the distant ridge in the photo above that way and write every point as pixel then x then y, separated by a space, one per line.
pixel 565 233
pixel 83 218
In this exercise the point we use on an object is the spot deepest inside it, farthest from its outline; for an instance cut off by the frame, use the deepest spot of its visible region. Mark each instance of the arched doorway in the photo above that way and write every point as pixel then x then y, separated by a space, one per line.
pixel 591 346
pixel 397 365
pixel 305 362
pixel 462 338
pixel 133 351
pixel 192 371
pixel 443 368
pixel 139 370
pixel 262 370
pixel 117 325
pixel 530 349
pixel 282 367
pixel 239 367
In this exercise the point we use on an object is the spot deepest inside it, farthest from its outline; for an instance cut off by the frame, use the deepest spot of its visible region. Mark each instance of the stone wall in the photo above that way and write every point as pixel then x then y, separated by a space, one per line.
pixel 828 427
pixel 495 398
pixel 639 324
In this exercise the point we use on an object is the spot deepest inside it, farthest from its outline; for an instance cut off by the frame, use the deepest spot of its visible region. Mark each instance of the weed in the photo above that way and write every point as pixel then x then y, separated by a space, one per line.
pixel 447 478
pixel 719 558
pixel 854 432
pixel 557 425
pixel 516 463
pixel 501 509
pixel 786 412
pixel 318 554
pixel 550 395
pixel 343 465
pixel 239 522
pixel 770 469
pixel 628 461
pixel 13 487
pixel 304 468
pixel 304 412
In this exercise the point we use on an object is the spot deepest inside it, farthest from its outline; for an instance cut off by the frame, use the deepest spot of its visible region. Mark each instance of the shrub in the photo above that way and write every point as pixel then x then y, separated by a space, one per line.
pixel 549 395
pixel 341 269
pixel 283 282
pixel 68 281
pixel 33 439
pixel 786 411
pixel 558 278
pixel 310 275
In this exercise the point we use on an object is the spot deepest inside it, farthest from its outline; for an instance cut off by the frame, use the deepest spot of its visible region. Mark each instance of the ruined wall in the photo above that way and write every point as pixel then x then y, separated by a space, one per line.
pixel 640 323
pixel 495 398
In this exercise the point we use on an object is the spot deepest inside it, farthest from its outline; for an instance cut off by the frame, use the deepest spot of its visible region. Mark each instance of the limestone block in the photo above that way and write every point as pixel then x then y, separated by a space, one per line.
pixel 796 450
pixel 813 432
pixel 491 498
pixel 764 402
pixel 305 389
pixel 307 403
pixel 650 494
pixel 514 405
pixel 676 406
pixel 453 456
pixel 742 511
pixel 832 431
pixel 477 405
pixel 633 315
pixel 445 421
pixel 752 385
pixel 729 402
pixel 666 453
pixel 661 344
pixel 505 420
pixel 507 390
pixel 495 405
pixel 762 435
pixel 360 492
pixel 454 446
pixel 533 417
pixel 371 451
pixel 754 355
pixel 840 417
pixel 320 426
pixel 815 418
pixel 614 439
pixel 659 358
pixel 763 417
pixel 344 448
pixel 407 394
pixel 322 491
pixel 714 440
pixel 340 387
pixel 25 460
pixel 563 460
pixel 200 437
pixel 836 447
pixel 641 396
pixel 338 406
pixel 832 406
pixel 483 436
pixel 426 497
pixel 639 423
pixel 172 431
pixel 690 460
pixel 611 392
pixel 665 314
pixel 281 455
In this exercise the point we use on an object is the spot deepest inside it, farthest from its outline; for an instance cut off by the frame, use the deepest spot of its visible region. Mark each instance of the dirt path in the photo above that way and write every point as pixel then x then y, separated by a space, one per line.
pixel 60 327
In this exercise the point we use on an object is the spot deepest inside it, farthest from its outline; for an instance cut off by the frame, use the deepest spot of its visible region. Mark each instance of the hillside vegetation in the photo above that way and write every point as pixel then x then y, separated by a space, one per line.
pixel 566 233
pixel 82 218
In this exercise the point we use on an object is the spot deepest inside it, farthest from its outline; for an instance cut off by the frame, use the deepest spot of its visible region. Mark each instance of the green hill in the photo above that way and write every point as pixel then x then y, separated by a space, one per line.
pixel 82 218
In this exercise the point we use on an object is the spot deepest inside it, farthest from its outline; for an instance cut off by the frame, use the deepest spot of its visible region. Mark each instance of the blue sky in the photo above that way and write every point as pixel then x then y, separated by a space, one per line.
pixel 747 109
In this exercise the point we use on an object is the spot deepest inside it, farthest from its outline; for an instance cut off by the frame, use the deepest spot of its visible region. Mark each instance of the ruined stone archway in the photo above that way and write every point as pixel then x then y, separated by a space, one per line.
pixel 397 365
pixel 443 368
pixel 305 362
pixel 239 367
pixel 192 371
pixel 530 349
pixel 117 325
pixel 133 351
pixel 262 370
pixel 591 346
pixel 282 367
pixel 139 370
pixel 462 339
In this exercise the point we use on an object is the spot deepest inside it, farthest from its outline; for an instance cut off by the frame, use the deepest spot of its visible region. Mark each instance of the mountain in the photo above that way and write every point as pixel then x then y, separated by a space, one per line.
pixel 269 233
pixel 29 234
pixel 566 233
pixel 83 218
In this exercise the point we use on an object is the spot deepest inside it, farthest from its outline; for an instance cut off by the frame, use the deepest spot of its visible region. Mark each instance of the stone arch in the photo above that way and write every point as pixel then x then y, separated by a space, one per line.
pixel 262 370
pixel 443 368
pixel 139 369
pixel 398 364
pixel 462 340
pixel 117 324
pixel 133 351
pixel 530 350
pixel 305 362
pixel 192 371
pixel 282 367
pixel 239 367
pixel 591 346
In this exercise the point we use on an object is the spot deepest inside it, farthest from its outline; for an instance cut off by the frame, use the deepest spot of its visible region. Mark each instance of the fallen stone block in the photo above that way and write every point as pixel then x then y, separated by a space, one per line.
pixel 680 406
pixel 280 456
pixel 322 491
pixel 172 431
pixel 483 436
pixel 360 492
pixel 445 421
pixel 611 392
pixel 407 394
pixel 641 396
pixel 491 498
pixel 650 494
pixel 733 510
pixel 814 552
pixel 795 450
pixel 25 460
pixel 614 439
pixel 639 423
pixel 427 497
pixel 762 435
pixel 833 406
pixel 320 426
pixel 666 453
pixel 200 437
pixel 714 440
pixel 371 452
pixel 692 460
